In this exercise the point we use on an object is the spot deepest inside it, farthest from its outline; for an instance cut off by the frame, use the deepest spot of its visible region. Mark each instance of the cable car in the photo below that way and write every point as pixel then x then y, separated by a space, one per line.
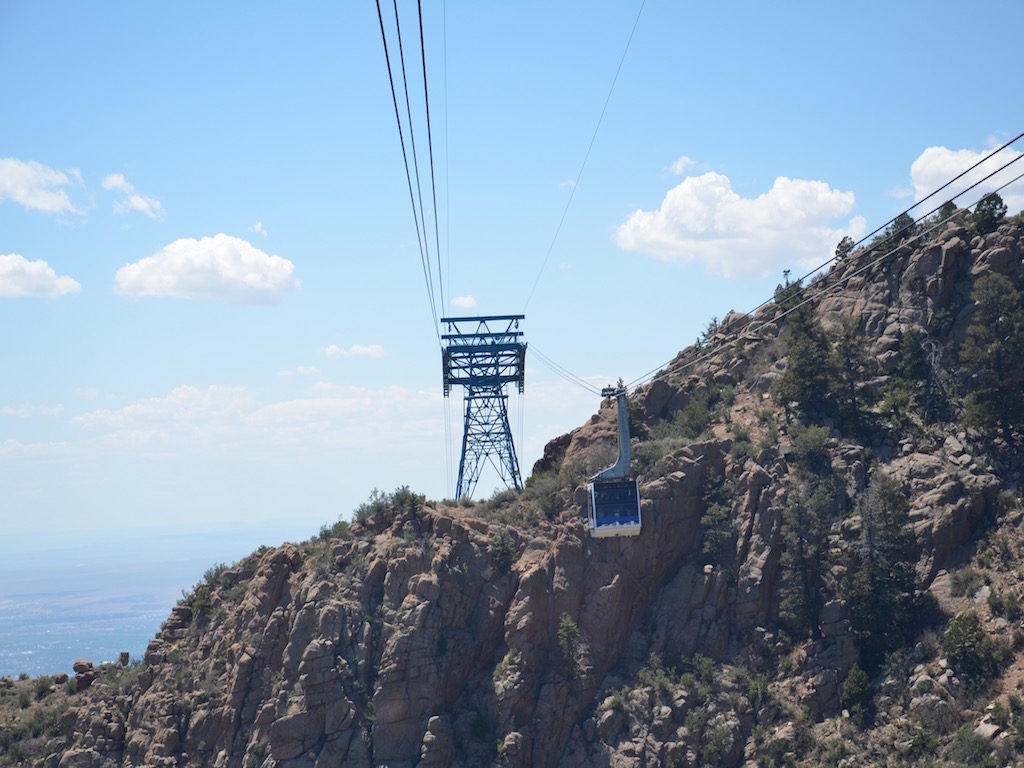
pixel 614 498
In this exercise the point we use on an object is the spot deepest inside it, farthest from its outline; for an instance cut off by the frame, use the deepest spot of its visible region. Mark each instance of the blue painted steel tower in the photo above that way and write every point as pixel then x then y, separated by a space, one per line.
pixel 483 354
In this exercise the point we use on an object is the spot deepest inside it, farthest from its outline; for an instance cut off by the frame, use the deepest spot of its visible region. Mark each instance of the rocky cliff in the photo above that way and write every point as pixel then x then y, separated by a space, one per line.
pixel 731 630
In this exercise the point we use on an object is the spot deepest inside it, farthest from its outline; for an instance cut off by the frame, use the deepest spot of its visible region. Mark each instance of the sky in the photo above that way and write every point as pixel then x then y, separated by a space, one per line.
pixel 213 314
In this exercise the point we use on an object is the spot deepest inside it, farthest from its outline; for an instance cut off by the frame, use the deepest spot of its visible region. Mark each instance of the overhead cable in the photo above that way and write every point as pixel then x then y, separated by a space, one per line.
pixel 424 259
pixel 590 146
pixel 906 211
pixel 746 331
pixel 563 372
pixel 415 161
pixel 430 145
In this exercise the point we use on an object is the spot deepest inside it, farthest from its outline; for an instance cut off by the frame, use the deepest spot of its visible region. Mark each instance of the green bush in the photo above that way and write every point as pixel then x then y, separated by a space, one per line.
pixel 42 686
pixel 974 656
pixel 402 499
pixel 503 550
pixel 810 445
pixel 969 747
pixel 966 581
pixel 857 695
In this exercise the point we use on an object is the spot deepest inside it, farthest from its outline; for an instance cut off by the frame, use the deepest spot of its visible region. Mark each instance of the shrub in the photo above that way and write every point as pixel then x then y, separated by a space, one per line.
pixel 402 499
pixel 857 695
pixel 964 582
pixel 503 550
pixel 973 654
pixel 970 747
pixel 810 444
pixel 42 685
pixel 212 574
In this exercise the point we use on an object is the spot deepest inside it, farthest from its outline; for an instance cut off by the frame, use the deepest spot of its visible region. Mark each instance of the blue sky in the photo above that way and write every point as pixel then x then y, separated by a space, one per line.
pixel 211 301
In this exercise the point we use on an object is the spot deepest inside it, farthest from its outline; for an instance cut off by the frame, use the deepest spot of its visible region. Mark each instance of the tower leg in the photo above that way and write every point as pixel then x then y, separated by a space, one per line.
pixel 486 435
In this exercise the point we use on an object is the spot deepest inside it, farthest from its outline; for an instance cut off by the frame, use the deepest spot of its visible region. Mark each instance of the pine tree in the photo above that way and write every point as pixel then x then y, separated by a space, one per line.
pixel 804 534
pixel 810 372
pixel 992 356
pixel 882 581
pixel 989 212
pixel 851 371
pixel 844 248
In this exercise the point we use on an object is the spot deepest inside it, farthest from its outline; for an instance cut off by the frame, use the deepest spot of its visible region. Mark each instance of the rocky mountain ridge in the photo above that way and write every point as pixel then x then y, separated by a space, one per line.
pixel 731 631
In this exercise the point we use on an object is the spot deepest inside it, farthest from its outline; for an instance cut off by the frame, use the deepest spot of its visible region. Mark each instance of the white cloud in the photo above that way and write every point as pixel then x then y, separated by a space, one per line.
pixel 116 181
pixel 36 186
pixel 26 411
pixel 937 165
pixel 900 193
pixel 146 205
pixel 703 219
pixel 132 201
pixel 302 370
pixel 189 417
pixel 218 267
pixel 682 165
pixel 258 229
pixel 356 350
pixel 463 302
pixel 183 404
pixel 21 277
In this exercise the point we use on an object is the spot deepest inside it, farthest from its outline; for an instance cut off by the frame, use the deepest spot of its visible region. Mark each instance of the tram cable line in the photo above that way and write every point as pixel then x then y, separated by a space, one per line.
pixel 430 145
pixel 447 185
pixel 424 259
pixel 415 161
pixel 666 368
pixel 746 332
pixel 882 227
pixel 565 373
pixel 586 157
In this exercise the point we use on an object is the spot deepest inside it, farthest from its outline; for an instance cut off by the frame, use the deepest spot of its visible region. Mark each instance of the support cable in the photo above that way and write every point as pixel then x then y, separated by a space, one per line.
pixel 725 343
pixel 408 177
pixel 416 165
pixel 874 232
pixel 586 157
pixel 563 372
pixel 447 209
pixel 430 145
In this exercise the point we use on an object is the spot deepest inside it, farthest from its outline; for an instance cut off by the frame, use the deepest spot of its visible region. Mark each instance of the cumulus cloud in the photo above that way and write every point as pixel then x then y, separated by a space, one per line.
pixel 355 350
pixel 27 411
pixel 132 201
pixel 703 219
pixel 258 229
pixel 116 181
pixel 900 193
pixel 302 370
pixel 937 165
pixel 682 165
pixel 35 186
pixel 184 404
pixel 463 302
pixel 218 267
pixel 21 277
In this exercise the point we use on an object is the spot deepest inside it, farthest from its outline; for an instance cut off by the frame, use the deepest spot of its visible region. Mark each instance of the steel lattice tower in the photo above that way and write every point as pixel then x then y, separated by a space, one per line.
pixel 483 354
